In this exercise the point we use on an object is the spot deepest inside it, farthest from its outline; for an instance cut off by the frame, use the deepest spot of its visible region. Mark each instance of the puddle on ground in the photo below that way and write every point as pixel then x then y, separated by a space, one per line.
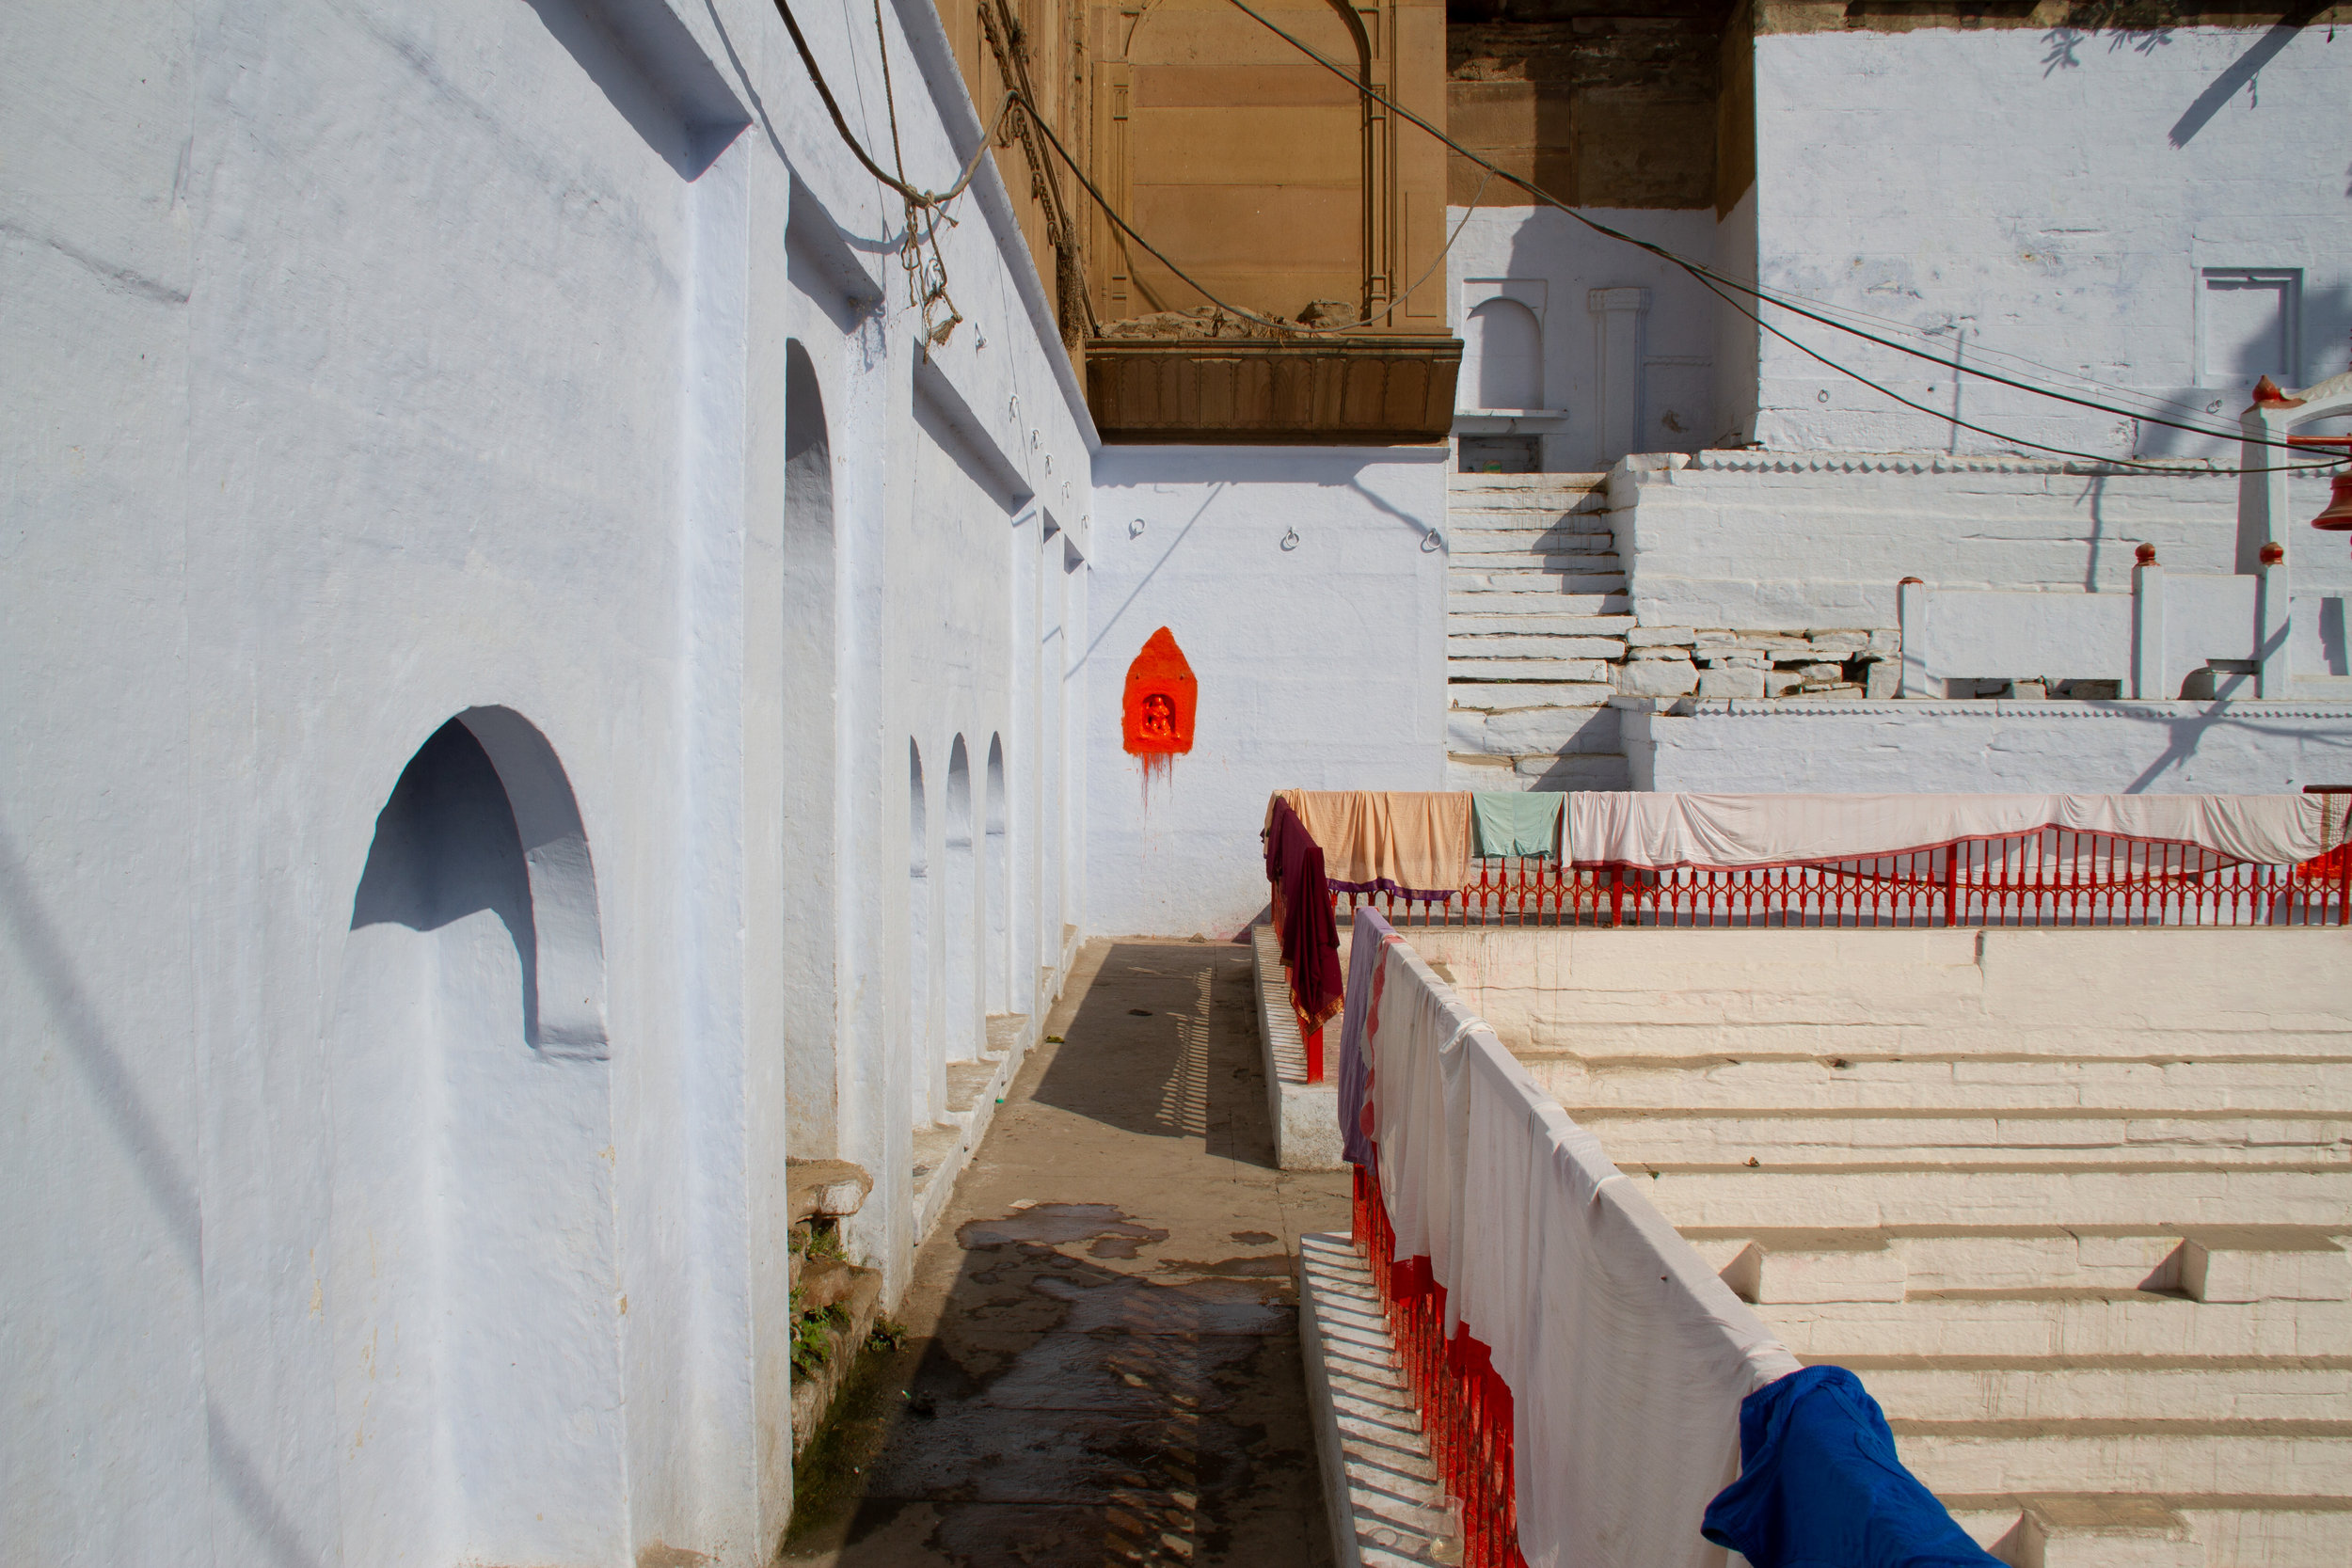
pixel 1056 1225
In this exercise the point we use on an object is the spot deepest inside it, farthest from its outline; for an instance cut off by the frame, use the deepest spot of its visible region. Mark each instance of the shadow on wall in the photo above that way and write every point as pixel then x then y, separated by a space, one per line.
pixel 473 1269
pixel 446 848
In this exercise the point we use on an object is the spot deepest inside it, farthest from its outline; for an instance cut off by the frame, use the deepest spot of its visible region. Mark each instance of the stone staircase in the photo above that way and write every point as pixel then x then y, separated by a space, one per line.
pixel 1536 624
pixel 2107 1326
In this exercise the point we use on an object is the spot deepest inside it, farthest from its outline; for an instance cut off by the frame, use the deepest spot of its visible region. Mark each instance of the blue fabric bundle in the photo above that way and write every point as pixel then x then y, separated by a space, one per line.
pixel 1820 1485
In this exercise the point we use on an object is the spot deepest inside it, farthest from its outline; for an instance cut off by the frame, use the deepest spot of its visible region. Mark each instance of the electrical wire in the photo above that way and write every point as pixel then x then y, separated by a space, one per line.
pixel 1715 282
pixel 841 124
pixel 1709 274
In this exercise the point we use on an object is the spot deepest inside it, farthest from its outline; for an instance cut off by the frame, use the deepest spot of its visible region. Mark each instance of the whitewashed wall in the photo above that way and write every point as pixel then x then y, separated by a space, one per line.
pixel 1664 391
pixel 1321 666
pixel 1791 541
pixel 379 364
pixel 2055 195
pixel 1989 746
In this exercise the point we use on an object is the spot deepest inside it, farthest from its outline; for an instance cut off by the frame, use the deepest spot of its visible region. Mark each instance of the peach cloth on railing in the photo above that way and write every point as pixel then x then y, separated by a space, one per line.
pixel 1386 841
pixel 1625 1356
pixel 1728 830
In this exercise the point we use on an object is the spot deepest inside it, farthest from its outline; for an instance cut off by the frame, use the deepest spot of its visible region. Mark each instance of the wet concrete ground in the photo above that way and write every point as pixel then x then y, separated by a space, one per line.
pixel 1102 1359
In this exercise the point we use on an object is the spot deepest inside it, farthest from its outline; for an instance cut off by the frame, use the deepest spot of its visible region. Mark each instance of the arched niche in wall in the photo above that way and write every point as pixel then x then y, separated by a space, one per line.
pixel 1503 352
pixel 472 1265
pixel 997 886
pixel 929 1084
pixel 803 682
pixel 962 937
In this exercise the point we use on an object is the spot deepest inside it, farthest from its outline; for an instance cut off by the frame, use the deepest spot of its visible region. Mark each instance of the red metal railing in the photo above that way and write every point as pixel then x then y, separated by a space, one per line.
pixel 2052 877
pixel 1465 1406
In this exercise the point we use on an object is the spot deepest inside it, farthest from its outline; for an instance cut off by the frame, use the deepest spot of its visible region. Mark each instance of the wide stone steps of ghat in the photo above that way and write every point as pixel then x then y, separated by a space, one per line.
pixel 1536 621
pixel 2275 1458
pixel 1985 1389
pixel 1871 1193
pixel 1769 1265
pixel 2095 1529
pixel 2059 1321
pixel 1975 1085
pixel 1954 1137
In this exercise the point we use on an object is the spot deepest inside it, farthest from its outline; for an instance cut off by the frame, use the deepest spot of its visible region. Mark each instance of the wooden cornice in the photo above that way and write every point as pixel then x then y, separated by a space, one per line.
pixel 1324 391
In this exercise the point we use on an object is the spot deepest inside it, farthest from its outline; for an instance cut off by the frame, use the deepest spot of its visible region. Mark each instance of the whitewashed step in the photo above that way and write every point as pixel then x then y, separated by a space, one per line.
pixel 2257 1263
pixel 1573 770
pixel 1548 624
pixel 1578 536
pixel 1860 1083
pixel 2057 1321
pixel 2080 1530
pixel 2290 1459
pixel 2235 1533
pixel 1491 697
pixel 1530 730
pixel 1551 561
pixel 1495 602
pixel 1842 1137
pixel 1471 646
pixel 1524 490
pixel 1530 580
pixel 2073 1389
pixel 1589 674
pixel 1864 1196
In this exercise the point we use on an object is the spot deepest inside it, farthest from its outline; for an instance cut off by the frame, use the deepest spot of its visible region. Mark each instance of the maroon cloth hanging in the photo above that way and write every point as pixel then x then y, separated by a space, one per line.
pixel 1302 915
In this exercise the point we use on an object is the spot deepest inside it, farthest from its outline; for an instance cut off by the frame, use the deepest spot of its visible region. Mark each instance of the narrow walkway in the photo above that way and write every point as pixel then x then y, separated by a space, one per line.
pixel 1102 1361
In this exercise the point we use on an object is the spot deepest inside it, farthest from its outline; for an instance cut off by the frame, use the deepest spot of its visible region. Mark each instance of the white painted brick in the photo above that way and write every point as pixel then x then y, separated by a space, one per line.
pixel 1731 681
pixel 1657 678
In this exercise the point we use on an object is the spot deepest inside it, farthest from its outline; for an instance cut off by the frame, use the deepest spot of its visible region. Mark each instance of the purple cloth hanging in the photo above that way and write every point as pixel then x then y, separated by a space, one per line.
pixel 1365 946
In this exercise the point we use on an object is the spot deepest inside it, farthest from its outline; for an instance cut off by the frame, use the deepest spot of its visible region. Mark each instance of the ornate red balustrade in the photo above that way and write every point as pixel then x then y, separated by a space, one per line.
pixel 1465 1408
pixel 2053 877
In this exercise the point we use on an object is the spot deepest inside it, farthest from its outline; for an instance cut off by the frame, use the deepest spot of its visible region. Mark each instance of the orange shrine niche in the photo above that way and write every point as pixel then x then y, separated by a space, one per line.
pixel 1162 694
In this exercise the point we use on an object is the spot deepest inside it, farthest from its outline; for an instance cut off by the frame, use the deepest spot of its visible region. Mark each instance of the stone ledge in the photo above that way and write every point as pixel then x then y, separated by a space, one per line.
pixel 1988 708
pixel 1384 1503
pixel 1305 1117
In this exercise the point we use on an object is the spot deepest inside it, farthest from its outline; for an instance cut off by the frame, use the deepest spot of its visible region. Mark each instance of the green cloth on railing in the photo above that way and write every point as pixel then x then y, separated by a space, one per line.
pixel 1518 821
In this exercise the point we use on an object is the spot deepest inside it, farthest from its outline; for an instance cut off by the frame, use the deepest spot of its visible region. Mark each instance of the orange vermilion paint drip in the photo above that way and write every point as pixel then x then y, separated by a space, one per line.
pixel 1156 713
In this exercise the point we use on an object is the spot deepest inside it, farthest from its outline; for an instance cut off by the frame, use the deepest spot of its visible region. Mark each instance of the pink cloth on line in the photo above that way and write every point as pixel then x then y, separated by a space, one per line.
pixel 1728 831
pixel 1388 841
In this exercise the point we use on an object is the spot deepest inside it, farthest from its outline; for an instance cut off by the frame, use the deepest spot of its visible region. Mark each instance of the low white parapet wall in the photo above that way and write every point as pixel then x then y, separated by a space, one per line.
pixel 1305 1117
pixel 1734 746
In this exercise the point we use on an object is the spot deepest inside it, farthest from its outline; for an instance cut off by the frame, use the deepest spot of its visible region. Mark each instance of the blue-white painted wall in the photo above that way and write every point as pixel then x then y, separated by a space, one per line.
pixel 1322 665
pixel 377 364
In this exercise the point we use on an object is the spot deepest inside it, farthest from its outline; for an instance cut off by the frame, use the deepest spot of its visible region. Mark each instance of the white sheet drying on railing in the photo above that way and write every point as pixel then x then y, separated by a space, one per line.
pixel 1730 830
pixel 1627 1357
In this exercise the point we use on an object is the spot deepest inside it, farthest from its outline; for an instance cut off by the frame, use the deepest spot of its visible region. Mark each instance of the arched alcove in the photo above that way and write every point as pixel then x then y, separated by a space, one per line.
pixel 997 886
pixel 472 1269
pixel 962 937
pixel 803 682
pixel 931 1088
pixel 1504 347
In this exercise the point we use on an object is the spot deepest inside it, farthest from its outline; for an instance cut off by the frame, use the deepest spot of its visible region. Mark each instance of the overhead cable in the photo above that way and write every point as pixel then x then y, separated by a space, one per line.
pixel 841 124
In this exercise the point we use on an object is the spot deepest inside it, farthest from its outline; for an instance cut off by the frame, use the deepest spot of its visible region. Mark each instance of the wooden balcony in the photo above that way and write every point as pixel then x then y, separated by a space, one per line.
pixel 1324 391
